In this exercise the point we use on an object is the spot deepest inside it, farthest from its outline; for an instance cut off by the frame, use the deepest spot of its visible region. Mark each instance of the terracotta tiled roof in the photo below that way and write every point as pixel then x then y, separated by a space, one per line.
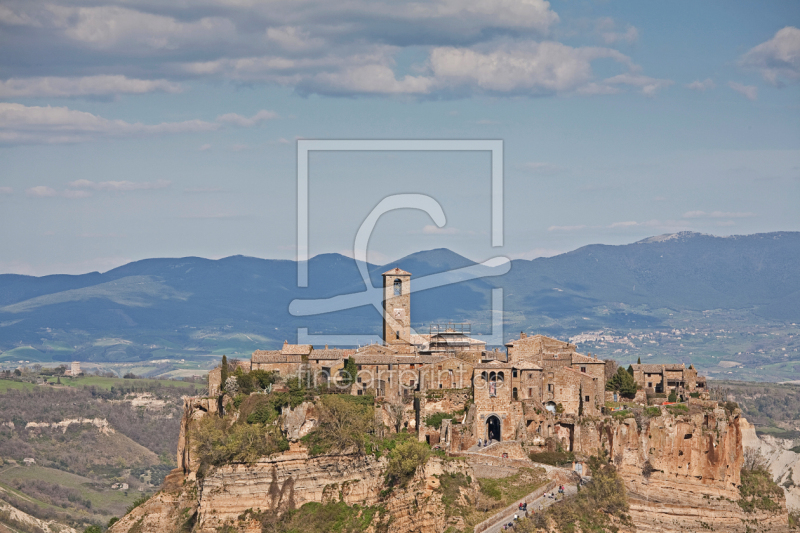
pixel 296 349
pixel 657 369
pixel 331 353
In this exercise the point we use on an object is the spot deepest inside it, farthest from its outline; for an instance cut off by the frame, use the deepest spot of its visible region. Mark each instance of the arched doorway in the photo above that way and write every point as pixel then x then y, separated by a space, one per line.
pixel 550 406
pixel 493 428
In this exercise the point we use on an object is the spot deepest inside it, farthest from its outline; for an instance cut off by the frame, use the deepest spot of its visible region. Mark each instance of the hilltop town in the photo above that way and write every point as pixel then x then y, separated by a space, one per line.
pixel 433 433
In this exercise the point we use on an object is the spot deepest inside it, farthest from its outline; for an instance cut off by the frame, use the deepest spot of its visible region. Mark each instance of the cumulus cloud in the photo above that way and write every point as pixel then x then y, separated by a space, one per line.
pixel 531 68
pixel 245 122
pixel 34 124
pixel 118 185
pixel 82 86
pixel 748 91
pixel 338 48
pixel 41 191
pixel 703 86
pixel 778 59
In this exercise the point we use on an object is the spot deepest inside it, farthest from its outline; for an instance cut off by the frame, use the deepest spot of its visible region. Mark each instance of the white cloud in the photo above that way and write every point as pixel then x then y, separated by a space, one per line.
pixel 530 67
pixel 6 190
pixel 118 185
pixel 245 122
pixel 82 86
pixel 703 86
pixel 607 29
pixel 34 124
pixel 649 86
pixel 41 191
pixel 626 224
pixel 748 91
pixel 294 38
pixel 106 27
pixel 717 214
pixel 371 79
pixel 778 58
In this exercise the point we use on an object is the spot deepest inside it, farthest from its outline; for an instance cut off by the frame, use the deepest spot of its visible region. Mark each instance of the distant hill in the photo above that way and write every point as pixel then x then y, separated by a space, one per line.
pixel 202 304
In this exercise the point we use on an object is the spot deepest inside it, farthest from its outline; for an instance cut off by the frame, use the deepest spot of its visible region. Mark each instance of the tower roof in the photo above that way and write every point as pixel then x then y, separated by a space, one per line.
pixel 396 272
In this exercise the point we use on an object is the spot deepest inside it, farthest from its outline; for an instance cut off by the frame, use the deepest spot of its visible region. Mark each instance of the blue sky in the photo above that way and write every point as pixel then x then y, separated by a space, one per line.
pixel 142 129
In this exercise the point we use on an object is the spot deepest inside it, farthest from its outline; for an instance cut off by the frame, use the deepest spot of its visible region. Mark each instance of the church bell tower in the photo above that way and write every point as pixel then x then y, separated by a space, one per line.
pixel 397 307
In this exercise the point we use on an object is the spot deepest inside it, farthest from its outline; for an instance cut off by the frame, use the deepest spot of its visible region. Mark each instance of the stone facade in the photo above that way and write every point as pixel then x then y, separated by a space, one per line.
pixel 667 378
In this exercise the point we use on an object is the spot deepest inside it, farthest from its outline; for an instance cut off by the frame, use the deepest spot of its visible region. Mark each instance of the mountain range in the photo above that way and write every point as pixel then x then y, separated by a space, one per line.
pixel 138 310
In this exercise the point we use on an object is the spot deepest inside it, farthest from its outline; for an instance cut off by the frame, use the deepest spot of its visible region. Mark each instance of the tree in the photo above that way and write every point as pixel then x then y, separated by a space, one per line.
pixel 672 397
pixel 622 382
pixel 638 360
pixel 610 368
pixel 404 461
pixel 223 372
pixel 93 529
pixel 350 372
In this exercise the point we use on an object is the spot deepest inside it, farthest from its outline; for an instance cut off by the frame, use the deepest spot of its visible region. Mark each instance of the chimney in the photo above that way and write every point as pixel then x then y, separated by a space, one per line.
pixel 522 335
pixel 326 346
pixel 285 343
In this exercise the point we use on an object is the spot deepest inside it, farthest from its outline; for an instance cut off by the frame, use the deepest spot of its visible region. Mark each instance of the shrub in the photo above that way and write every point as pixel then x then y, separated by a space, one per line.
pixel 557 458
pixel 652 411
pixel 678 409
pixel 435 420
pixel 757 489
pixel 694 394
pixel 343 425
pixel 404 461
pixel 216 443
pixel 672 397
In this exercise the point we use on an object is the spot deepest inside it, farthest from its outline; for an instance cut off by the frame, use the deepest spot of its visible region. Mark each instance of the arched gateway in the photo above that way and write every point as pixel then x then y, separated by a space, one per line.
pixel 493 428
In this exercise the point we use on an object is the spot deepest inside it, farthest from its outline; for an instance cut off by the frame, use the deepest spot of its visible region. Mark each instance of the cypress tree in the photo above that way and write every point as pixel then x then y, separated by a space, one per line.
pixel 638 360
pixel 223 373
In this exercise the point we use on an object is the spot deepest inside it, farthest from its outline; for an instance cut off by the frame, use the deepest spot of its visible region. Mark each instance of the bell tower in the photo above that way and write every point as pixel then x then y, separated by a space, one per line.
pixel 397 307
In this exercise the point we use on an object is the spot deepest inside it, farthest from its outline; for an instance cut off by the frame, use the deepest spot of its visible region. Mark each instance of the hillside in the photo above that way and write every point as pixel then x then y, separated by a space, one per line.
pixel 162 308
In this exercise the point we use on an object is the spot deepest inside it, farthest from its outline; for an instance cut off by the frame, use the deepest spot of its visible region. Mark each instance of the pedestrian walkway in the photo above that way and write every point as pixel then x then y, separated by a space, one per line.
pixel 540 503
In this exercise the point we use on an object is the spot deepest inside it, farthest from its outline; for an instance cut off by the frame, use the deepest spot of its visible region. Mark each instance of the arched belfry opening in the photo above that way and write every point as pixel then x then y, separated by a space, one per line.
pixel 398 287
pixel 493 426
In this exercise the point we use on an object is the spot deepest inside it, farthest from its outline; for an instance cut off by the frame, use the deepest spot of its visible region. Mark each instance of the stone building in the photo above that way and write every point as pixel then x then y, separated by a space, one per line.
pixel 668 378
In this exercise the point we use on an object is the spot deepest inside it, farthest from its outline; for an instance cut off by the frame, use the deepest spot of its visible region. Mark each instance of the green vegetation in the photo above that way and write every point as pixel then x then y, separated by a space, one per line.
pixel 757 489
pixel 314 517
pixel 404 461
pixel 555 458
pixel 223 371
pixel 672 397
pixel 508 489
pixel 344 424
pixel 593 509
pixel 435 420
pixel 652 411
pixel 678 409
pixel 623 383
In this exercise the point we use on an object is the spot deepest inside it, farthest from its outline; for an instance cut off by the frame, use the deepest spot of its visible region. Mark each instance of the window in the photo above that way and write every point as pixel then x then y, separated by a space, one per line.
pixel 440 367
pixel 514 393
pixel 398 285
pixel 396 334
pixel 390 368
pixel 530 376
pixel 514 373
pixel 549 387
pixel 530 392
pixel 440 385
pixel 358 380
pixel 583 369
pixel 649 385
pixel 586 399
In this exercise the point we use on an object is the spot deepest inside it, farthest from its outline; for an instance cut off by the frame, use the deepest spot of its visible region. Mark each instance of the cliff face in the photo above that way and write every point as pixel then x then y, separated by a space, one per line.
pixel 682 472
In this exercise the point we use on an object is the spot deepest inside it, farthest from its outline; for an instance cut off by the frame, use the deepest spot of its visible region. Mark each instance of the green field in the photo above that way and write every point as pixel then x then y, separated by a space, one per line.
pixel 7 384
pixel 105 501
pixel 107 383
pixel 25 353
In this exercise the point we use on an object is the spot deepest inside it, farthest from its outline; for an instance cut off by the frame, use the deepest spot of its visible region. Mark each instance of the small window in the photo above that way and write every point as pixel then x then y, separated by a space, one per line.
pixel 530 392
pixel 390 367
pixel 649 385
pixel 586 399
pixel 514 393
pixel 514 373
pixel 358 380
pixel 549 387
pixel 396 334
pixel 583 369
pixel 440 385
pixel 440 367
pixel 398 285
pixel 530 376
